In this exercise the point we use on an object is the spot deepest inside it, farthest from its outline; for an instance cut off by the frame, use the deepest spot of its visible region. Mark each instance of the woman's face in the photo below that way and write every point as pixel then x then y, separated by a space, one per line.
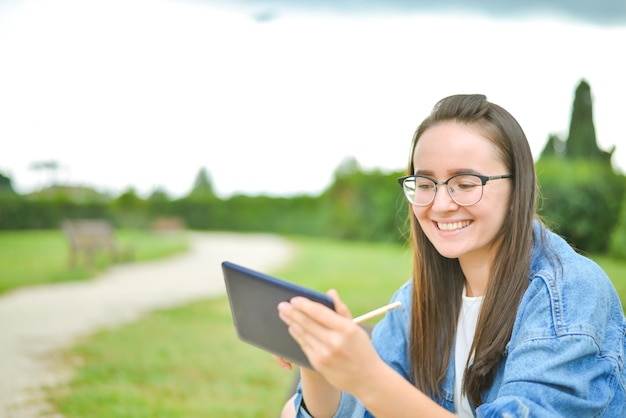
pixel 463 232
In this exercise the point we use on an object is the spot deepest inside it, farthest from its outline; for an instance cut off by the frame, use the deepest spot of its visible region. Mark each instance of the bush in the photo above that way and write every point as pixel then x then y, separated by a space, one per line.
pixel 617 246
pixel 581 200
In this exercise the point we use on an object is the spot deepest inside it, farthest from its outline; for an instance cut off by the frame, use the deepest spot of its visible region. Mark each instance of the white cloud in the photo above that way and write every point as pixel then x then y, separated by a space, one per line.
pixel 145 93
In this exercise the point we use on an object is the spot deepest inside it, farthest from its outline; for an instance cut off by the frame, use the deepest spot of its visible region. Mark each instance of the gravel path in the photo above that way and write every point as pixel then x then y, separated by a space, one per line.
pixel 37 322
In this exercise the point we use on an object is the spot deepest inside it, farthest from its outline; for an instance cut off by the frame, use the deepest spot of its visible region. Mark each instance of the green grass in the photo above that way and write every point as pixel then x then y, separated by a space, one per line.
pixel 616 270
pixel 37 257
pixel 188 362
pixel 181 363
pixel 365 274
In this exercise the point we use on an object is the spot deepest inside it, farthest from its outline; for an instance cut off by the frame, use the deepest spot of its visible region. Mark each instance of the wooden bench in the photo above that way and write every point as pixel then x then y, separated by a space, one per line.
pixel 90 237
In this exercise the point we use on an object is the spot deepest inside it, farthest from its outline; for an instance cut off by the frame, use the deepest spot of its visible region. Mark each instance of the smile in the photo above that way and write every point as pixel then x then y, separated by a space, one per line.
pixel 452 226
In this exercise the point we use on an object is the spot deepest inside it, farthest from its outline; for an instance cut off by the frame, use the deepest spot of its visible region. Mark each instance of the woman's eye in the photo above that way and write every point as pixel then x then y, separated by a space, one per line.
pixel 466 186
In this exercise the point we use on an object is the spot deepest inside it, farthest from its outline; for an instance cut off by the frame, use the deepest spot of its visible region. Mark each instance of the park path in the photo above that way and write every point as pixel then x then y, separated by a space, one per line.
pixel 37 322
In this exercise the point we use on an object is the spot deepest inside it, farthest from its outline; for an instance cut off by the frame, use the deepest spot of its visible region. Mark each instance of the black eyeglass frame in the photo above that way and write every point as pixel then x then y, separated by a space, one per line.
pixel 483 179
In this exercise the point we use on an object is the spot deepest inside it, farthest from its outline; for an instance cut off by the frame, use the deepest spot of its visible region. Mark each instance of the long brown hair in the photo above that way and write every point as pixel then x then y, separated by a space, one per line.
pixel 438 281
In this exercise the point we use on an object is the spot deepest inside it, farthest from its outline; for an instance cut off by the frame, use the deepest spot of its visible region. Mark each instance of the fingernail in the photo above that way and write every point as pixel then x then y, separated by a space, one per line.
pixel 295 300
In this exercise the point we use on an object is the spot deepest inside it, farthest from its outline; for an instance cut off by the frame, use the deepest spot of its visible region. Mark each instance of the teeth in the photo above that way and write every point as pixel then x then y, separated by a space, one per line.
pixel 452 226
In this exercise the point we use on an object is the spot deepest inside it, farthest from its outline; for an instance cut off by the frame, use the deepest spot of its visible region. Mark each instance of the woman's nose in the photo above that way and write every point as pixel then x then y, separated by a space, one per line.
pixel 443 201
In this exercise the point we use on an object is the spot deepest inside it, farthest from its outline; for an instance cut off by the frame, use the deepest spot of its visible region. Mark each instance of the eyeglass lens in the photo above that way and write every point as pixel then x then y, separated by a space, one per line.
pixel 465 190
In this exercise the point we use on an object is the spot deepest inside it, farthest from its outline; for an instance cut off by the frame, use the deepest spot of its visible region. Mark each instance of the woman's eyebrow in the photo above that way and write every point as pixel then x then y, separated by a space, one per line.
pixel 430 173
pixel 423 172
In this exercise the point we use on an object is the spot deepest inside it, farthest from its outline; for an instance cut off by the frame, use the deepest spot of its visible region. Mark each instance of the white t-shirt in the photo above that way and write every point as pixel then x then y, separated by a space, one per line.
pixel 466 329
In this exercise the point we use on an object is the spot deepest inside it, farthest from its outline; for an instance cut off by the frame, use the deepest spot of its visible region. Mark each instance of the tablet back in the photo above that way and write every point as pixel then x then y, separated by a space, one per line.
pixel 254 299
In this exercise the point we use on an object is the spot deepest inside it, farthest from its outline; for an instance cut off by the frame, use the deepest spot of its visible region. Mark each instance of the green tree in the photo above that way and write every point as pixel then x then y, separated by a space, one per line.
pixel 364 205
pixel 582 194
pixel 202 186
pixel 581 142
pixel 6 186
pixel 130 210
pixel 617 246
pixel 158 195
pixel 128 200
pixel 160 204
pixel 555 147
pixel 581 200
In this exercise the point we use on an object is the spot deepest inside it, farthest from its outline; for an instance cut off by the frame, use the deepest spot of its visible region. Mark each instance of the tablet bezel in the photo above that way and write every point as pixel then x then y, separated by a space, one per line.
pixel 254 297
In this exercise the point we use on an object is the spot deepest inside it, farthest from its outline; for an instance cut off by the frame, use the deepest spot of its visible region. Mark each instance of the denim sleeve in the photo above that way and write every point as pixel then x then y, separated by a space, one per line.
pixel 564 358
pixel 349 407
pixel 391 335
pixel 557 377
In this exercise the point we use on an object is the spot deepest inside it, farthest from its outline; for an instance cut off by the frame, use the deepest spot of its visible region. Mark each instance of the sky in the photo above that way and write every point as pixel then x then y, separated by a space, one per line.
pixel 271 96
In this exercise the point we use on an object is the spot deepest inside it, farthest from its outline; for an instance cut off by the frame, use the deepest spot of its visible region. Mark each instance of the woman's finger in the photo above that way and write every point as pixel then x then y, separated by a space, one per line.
pixel 283 363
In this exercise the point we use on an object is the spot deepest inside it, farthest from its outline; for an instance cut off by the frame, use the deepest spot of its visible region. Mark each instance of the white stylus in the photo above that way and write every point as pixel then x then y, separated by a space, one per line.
pixel 376 312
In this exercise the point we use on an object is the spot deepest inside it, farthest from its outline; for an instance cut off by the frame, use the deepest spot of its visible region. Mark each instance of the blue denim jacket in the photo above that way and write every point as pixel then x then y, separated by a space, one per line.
pixel 566 353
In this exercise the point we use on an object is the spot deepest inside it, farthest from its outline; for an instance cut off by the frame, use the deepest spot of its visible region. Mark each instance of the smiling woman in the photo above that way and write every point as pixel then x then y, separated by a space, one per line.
pixel 492 320
pixel 464 222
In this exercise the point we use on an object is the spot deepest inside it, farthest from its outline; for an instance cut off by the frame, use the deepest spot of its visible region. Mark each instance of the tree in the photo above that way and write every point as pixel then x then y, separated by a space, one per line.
pixel 158 195
pixel 581 192
pixel 581 142
pixel 348 167
pixel 6 187
pixel 202 186
pixel 128 200
pixel 555 147
pixel 364 205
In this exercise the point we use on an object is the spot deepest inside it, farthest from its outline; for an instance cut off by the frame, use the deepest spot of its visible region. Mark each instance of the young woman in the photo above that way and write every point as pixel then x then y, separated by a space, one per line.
pixel 502 318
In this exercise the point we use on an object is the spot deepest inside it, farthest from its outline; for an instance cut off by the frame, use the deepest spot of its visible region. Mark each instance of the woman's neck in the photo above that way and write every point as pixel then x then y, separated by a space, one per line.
pixel 476 274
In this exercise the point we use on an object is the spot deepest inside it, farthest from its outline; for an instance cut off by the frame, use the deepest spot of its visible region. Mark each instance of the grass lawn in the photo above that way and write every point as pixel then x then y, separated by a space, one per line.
pixel 188 362
pixel 37 257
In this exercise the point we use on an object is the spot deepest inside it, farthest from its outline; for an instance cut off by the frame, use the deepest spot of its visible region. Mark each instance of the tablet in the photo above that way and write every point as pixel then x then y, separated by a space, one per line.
pixel 254 299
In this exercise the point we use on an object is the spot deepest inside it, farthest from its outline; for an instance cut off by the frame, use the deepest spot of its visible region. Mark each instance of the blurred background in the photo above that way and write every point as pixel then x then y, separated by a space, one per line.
pixel 296 116
pixel 271 96
pixel 127 127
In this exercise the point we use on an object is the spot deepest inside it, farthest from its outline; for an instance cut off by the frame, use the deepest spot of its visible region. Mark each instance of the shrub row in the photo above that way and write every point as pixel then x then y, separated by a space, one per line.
pixel 583 201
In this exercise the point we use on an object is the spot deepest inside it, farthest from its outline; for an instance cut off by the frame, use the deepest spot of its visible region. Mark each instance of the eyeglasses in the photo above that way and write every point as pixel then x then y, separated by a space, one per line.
pixel 464 189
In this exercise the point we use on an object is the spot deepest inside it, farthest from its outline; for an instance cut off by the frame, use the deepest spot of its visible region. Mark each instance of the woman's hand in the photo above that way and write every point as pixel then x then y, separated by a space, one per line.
pixel 338 349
